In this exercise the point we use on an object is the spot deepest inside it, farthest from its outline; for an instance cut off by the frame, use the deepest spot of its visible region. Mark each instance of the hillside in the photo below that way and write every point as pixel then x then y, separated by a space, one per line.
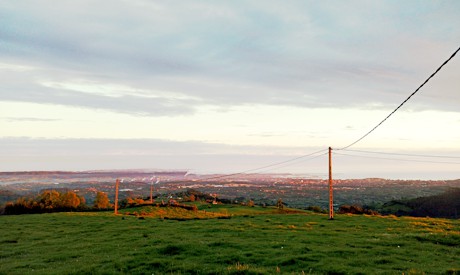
pixel 261 188
pixel 445 205
pixel 251 240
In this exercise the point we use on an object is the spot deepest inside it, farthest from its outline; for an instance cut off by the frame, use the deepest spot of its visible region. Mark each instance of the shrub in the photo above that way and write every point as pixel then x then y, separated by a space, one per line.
pixel 316 209
pixel 280 204
pixel 356 209
pixel 47 201
pixel 102 201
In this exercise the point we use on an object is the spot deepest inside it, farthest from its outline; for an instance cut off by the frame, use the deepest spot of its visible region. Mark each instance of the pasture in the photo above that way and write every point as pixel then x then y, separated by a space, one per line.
pixel 231 240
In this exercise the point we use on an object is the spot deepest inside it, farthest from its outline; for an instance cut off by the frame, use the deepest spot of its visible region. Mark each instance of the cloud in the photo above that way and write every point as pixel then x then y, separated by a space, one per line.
pixel 308 54
pixel 131 147
pixel 79 95
pixel 22 154
pixel 28 119
pixel 92 154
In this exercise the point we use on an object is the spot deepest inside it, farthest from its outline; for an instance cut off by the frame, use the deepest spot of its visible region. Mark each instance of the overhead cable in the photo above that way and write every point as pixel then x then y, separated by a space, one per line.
pixel 400 105
pixel 401 154
pixel 266 166
pixel 312 155
pixel 292 163
pixel 393 159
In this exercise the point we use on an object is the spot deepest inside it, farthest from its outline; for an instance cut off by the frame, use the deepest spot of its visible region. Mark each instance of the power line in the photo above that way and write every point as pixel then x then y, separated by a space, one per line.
pixel 351 144
pixel 400 105
pixel 290 164
pixel 312 155
pixel 408 160
pixel 400 154
pixel 266 166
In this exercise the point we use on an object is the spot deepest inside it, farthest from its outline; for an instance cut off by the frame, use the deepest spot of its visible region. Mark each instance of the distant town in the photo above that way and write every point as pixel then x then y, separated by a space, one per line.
pixel 263 189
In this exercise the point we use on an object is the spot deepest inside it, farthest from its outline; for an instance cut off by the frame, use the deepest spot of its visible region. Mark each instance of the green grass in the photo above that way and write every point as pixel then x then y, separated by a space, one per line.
pixel 172 213
pixel 254 241
pixel 205 211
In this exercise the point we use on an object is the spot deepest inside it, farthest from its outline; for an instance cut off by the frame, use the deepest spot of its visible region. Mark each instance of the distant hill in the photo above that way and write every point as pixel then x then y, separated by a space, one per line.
pixel 7 195
pixel 114 173
pixel 445 205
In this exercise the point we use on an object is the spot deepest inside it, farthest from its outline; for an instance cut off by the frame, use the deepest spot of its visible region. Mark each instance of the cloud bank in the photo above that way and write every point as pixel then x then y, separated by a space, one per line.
pixel 182 56
pixel 175 84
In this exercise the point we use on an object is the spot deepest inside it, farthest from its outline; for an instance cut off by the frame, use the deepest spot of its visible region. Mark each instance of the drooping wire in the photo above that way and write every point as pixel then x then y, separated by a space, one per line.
pixel 292 163
pixel 393 159
pixel 400 154
pixel 312 155
pixel 266 166
pixel 400 105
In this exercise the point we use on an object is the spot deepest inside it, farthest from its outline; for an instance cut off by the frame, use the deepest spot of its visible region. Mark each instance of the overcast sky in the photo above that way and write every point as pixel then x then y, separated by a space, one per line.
pixel 226 86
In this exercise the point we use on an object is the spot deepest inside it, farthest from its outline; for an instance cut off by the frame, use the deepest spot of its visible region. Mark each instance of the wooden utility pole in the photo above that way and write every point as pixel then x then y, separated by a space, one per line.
pixel 117 183
pixel 331 191
pixel 151 193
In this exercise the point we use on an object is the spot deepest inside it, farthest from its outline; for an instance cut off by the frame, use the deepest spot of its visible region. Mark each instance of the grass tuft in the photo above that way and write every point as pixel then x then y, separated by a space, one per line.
pixel 172 250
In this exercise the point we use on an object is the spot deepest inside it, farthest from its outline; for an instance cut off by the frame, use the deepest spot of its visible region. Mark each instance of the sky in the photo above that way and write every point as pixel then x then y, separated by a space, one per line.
pixel 230 86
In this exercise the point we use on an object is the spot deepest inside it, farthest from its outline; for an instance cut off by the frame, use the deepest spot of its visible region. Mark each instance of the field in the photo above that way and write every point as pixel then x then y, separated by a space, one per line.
pixel 238 240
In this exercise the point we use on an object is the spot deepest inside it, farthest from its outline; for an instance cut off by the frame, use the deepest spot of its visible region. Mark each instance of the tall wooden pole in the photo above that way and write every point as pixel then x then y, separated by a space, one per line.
pixel 117 183
pixel 151 193
pixel 331 193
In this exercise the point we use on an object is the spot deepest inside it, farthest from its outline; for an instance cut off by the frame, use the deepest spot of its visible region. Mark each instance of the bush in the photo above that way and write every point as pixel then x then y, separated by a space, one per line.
pixel 317 209
pixel 102 201
pixel 280 204
pixel 47 201
pixel 356 209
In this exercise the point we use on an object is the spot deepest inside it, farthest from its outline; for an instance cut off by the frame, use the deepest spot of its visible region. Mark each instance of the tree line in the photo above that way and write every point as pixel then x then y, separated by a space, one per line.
pixel 54 201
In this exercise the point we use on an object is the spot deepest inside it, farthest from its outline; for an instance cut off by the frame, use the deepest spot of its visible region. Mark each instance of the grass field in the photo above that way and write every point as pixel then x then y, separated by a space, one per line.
pixel 253 241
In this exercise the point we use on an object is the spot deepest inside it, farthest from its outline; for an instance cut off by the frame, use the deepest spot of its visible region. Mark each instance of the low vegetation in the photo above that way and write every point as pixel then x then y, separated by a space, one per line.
pixel 49 201
pixel 445 205
pixel 254 240
pixel 172 212
pixel 356 209
pixel 46 202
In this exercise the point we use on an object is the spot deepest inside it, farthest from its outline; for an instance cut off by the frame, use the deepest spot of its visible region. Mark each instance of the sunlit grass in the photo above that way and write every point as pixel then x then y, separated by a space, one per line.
pixel 205 211
pixel 171 213
pixel 248 243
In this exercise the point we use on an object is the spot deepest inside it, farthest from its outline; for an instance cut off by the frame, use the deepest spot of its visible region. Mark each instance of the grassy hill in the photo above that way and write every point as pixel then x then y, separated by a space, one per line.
pixel 445 205
pixel 244 240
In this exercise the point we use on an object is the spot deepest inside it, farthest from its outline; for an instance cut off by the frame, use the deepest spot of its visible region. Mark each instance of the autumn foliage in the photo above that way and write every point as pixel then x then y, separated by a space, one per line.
pixel 47 201
pixel 102 201
pixel 356 209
